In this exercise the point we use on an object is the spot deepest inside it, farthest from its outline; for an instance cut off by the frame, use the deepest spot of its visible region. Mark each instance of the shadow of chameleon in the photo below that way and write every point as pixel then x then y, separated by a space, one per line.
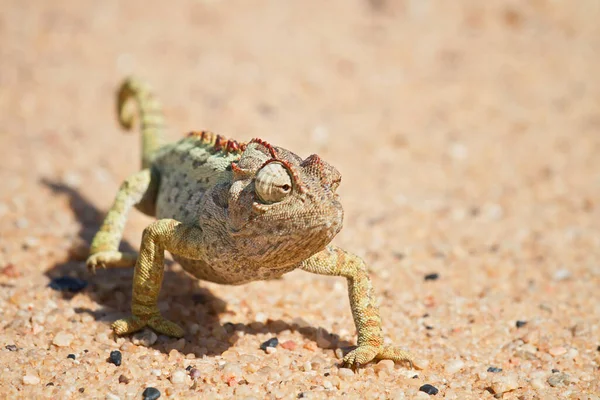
pixel 111 289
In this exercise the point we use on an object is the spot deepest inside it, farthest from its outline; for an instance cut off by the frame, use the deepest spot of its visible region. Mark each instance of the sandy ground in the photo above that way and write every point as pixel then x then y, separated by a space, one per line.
pixel 468 136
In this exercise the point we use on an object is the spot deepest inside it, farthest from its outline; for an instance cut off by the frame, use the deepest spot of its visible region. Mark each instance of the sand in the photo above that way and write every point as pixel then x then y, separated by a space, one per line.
pixel 468 137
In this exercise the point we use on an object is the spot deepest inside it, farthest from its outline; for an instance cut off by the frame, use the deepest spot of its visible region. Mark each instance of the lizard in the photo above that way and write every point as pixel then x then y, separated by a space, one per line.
pixel 229 212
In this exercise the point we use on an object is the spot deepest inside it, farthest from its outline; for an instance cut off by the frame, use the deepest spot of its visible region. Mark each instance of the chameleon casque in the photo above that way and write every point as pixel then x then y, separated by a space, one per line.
pixel 230 213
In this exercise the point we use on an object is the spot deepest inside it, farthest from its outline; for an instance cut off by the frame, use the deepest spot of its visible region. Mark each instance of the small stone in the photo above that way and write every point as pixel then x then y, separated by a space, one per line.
pixel 384 365
pixel 537 383
pixel 62 339
pixel 11 347
pixel 554 370
pixel 31 380
pixel 178 376
pixel 273 342
pixel 559 378
pixel 68 284
pixel 156 372
pixel 557 351
pixel 562 274
pixel 502 384
pixel 270 350
pixel 520 324
pixel 429 389
pixel 11 271
pixel 115 357
pixel 307 366
pixel 454 366
pixel 345 372
pixel 110 396
pixel 432 277
pixel 494 369
pixel 195 373
pixel 71 356
pixel 144 338
pixel 123 379
pixel 420 363
pixel 289 345
pixel 151 393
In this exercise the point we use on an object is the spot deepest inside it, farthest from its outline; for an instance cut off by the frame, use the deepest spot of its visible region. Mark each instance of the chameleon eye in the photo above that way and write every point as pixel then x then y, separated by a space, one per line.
pixel 273 183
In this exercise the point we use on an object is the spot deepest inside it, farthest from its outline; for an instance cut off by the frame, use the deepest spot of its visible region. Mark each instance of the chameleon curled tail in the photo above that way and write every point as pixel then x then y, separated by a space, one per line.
pixel 152 120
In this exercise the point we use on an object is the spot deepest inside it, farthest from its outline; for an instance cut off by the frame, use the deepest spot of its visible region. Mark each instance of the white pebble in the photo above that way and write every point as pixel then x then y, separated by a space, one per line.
pixel 31 380
pixel 271 350
pixel 110 396
pixel 307 366
pixel 503 384
pixel 454 366
pixel 62 339
pixel 178 376
pixel 156 372
pixel 562 274
pixel 345 372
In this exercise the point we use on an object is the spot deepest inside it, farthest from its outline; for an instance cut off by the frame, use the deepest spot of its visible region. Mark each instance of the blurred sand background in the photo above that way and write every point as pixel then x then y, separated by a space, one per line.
pixel 468 136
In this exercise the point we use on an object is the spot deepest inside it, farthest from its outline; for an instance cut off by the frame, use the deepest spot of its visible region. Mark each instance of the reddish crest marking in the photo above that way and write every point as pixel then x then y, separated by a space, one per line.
pixel 219 142
pixel 269 148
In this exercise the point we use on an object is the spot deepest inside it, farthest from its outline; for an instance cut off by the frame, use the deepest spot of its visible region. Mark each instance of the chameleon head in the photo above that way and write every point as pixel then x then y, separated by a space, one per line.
pixel 282 209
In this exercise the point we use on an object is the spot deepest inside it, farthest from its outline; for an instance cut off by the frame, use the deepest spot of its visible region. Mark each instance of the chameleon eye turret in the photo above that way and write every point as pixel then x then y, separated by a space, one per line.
pixel 273 183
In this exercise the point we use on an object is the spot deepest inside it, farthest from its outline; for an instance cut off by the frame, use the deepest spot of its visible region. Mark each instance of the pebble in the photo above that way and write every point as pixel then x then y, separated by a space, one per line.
pixel 429 389
pixel 557 351
pixel 156 372
pixel 520 324
pixel 123 379
pixel 195 373
pixel 432 277
pixel 151 393
pixel 71 356
pixel 115 357
pixel 144 338
pixel 270 350
pixel 273 342
pixel 420 363
pixel 11 347
pixel 178 376
pixel 68 284
pixel 494 369
pixel 289 345
pixel 110 396
pixel 345 372
pixel 31 380
pixel 384 365
pixel 537 383
pixel 559 378
pixel 62 339
pixel 454 366
pixel 503 384
pixel 562 274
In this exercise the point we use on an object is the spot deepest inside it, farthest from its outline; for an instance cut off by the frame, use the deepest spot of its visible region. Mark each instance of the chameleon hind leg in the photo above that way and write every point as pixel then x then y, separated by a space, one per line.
pixel 165 234
pixel 336 262
pixel 138 190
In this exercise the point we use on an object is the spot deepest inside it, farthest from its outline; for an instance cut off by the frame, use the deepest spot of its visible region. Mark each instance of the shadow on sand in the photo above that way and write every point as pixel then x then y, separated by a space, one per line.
pixel 104 285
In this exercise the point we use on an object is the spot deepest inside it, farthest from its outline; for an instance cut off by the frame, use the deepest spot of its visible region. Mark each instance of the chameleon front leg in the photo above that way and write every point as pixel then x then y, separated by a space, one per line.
pixel 336 262
pixel 161 235
pixel 139 190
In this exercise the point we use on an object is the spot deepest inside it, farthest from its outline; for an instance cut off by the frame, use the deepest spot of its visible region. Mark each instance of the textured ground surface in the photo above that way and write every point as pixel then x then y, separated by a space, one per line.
pixel 468 136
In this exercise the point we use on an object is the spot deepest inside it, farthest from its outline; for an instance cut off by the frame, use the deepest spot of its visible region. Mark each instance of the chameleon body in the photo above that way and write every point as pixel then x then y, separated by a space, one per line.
pixel 230 213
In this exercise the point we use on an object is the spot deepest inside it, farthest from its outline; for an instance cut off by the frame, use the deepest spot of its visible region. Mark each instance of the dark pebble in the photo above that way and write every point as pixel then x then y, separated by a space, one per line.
pixel 81 390
pixel 598 348
pixel 432 277
pixel 554 370
pixel 123 379
pixel 494 369
pixel 11 347
pixel 273 342
pixel 50 384
pixel 68 284
pixel 189 368
pixel 115 357
pixel 429 389
pixel 520 324
pixel 71 356
pixel 194 373
pixel 151 393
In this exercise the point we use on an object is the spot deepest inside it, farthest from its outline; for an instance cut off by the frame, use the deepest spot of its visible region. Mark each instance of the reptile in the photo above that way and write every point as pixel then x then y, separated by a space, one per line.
pixel 229 212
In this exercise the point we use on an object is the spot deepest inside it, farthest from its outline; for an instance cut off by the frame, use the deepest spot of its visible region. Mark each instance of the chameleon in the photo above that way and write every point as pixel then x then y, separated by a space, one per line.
pixel 229 212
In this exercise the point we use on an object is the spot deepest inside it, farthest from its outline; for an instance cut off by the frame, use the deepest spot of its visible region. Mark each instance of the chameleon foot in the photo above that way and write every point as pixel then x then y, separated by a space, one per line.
pixel 108 259
pixel 364 354
pixel 157 322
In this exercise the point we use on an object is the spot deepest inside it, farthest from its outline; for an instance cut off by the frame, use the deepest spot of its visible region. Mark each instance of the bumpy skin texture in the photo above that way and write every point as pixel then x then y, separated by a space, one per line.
pixel 230 213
